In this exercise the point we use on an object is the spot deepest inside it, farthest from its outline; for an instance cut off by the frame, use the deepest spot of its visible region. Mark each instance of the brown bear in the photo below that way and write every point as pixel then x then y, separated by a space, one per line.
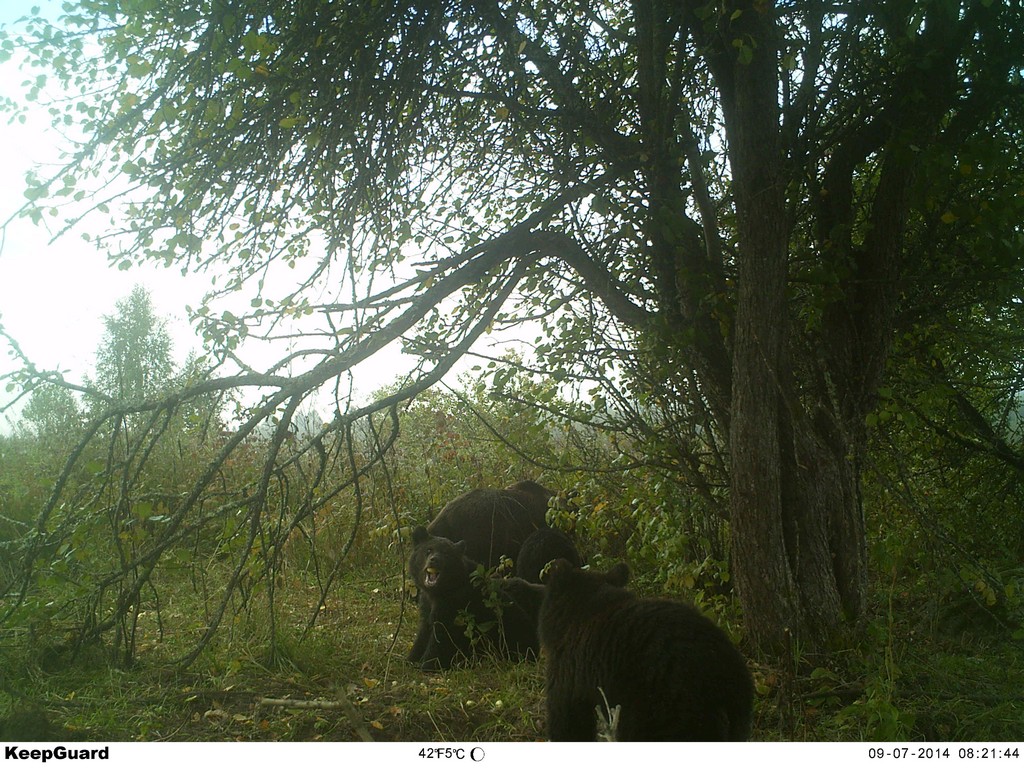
pixel 540 548
pixel 462 613
pixel 494 523
pixel 668 670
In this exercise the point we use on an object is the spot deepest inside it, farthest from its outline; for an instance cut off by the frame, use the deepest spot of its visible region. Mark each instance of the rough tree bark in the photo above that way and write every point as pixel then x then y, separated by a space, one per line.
pixel 796 422
pixel 762 530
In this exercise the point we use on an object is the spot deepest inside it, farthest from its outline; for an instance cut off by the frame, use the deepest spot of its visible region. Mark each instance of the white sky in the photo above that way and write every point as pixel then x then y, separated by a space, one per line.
pixel 53 294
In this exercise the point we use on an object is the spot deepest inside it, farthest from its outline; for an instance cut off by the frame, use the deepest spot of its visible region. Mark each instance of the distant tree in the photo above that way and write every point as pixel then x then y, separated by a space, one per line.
pixel 720 214
pixel 53 412
pixel 133 359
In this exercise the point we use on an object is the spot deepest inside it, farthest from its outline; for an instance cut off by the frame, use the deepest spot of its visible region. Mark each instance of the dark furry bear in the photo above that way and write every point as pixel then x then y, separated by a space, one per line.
pixel 540 548
pixel 461 616
pixel 494 523
pixel 533 489
pixel 672 673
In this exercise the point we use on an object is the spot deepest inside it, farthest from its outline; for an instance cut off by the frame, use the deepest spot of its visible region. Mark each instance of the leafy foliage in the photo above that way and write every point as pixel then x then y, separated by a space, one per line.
pixel 343 566
pixel 723 227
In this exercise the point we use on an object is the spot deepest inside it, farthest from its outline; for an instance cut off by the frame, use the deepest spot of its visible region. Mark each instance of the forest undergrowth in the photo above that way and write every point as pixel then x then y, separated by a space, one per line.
pixel 913 678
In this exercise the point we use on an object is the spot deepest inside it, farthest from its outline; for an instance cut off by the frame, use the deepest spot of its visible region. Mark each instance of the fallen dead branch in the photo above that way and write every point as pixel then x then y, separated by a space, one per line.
pixel 342 703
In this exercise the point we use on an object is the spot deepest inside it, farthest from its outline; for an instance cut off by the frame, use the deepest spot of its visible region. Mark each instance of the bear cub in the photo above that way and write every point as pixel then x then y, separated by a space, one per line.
pixel 673 674
pixel 542 547
pixel 460 616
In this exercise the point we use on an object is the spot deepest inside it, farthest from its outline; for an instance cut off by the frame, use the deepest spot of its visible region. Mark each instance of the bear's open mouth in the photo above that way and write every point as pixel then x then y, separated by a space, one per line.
pixel 430 577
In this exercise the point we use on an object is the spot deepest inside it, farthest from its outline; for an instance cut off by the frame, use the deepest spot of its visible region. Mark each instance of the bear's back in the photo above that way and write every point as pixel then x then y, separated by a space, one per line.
pixel 677 674
pixel 672 672
pixel 493 523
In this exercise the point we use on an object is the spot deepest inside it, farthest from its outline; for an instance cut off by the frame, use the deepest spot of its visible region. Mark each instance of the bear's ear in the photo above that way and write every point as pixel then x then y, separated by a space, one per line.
pixel 618 576
pixel 419 535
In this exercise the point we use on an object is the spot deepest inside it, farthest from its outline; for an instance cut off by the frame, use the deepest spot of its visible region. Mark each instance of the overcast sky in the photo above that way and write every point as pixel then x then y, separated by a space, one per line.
pixel 53 295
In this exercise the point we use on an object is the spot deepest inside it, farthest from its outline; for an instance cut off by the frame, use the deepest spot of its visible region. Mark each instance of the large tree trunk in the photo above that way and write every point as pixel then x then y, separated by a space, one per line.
pixel 798 534
pixel 796 524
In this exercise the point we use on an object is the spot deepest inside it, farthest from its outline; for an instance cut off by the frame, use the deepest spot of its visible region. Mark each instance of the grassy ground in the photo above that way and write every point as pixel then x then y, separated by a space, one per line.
pixel 351 655
pixel 908 683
